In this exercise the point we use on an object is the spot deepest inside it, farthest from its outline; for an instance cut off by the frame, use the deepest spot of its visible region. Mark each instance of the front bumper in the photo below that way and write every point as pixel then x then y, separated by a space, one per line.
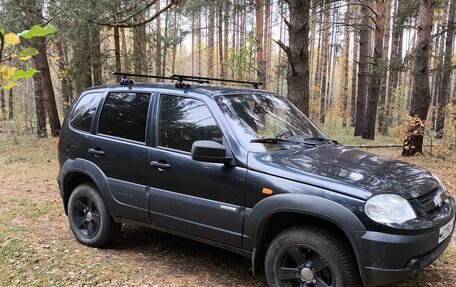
pixel 386 258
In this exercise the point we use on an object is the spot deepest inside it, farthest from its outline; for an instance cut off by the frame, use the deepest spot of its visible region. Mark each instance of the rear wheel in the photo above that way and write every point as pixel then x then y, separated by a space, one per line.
pixel 89 218
pixel 310 256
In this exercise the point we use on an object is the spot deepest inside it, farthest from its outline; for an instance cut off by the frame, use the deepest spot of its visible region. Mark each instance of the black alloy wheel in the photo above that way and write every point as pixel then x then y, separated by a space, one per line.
pixel 310 256
pixel 90 220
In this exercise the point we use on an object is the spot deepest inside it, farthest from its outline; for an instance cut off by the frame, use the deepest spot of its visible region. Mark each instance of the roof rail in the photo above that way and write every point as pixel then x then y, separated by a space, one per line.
pixel 179 79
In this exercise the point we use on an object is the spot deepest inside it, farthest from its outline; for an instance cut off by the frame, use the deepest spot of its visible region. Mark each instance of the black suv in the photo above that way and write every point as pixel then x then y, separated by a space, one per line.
pixel 245 170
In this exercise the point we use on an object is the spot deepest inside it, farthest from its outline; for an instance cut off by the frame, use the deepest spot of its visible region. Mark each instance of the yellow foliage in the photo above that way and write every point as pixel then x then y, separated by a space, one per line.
pixel 12 39
pixel 7 72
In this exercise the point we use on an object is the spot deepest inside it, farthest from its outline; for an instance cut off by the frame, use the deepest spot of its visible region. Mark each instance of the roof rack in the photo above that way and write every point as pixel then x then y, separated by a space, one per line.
pixel 189 78
pixel 179 79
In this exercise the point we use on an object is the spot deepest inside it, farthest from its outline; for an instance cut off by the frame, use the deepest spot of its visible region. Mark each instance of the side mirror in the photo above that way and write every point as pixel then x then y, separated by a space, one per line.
pixel 210 151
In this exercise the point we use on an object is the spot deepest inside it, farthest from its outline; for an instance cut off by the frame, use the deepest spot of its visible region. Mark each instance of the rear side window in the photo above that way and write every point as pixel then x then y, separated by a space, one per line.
pixel 84 111
pixel 124 115
pixel 184 121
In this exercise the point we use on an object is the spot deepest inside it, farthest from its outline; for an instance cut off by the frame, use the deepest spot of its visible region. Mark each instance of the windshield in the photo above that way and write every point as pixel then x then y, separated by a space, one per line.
pixel 266 116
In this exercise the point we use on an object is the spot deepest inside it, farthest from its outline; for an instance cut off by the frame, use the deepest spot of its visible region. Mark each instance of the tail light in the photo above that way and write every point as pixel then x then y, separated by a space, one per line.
pixel 58 142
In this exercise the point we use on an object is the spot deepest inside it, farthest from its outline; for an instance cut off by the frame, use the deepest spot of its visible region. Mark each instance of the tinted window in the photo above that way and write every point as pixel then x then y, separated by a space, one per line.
pixel 124 115
pixel 185 120
pixel 83 112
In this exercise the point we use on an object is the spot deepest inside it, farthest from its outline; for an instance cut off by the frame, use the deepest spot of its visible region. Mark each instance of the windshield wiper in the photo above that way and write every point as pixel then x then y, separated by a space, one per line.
pixel 279 140
pixel 321 139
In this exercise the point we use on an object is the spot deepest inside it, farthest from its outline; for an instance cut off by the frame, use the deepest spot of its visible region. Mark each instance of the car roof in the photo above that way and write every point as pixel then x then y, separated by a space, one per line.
pixel 208 90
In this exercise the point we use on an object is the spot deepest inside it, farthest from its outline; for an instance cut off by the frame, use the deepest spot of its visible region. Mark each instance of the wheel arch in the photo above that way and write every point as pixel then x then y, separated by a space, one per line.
pixel 269 217
pixel 78 171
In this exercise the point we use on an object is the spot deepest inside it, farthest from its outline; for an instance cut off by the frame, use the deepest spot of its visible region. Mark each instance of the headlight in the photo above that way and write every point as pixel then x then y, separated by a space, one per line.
pixel 389 208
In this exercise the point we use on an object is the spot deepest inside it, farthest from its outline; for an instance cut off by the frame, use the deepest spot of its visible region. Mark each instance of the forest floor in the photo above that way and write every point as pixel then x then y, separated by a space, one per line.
pixel 37 247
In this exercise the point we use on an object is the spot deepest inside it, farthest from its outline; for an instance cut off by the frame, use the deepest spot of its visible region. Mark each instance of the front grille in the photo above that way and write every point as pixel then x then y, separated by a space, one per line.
pixel 432 201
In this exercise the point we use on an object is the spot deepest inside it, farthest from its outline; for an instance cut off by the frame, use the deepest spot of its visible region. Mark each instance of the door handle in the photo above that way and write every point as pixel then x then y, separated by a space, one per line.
pixel 161 165
pixel 96 151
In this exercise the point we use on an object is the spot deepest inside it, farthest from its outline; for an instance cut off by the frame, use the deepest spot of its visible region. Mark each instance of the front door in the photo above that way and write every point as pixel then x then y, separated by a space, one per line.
pixel 201 199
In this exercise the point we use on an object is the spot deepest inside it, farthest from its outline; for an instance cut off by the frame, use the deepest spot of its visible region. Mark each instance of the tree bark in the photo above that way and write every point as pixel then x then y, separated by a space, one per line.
pixel 118 63
pixel 298 54
pixel 10 105
pixel 395 64
pixel 445 87
pixel 139 48
pixel 65 92
pixel 259 35
pixel 344 90
pixel 354 72
pixel 377 71
pixel 2 105
pixel 40 107
pixel 211 43
pixel 96 55
pixel 158 44
pixel 40 63
pixel 324 64
pixel 382 123
pixel 420 97
pixel 364 37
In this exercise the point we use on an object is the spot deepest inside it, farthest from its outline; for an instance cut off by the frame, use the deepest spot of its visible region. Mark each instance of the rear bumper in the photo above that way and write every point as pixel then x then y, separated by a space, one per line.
pixel 387 258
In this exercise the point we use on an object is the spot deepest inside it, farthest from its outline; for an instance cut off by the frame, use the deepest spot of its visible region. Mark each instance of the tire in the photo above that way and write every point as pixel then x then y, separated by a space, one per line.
pixel 90 220
pixel 310 256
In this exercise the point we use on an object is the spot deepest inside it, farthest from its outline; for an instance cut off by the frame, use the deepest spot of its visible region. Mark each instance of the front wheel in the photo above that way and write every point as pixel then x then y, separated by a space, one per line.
pixel 309 256
pixel 89 218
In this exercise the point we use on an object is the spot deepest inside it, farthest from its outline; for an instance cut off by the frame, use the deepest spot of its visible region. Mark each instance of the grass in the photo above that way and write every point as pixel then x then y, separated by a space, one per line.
pixel 38 249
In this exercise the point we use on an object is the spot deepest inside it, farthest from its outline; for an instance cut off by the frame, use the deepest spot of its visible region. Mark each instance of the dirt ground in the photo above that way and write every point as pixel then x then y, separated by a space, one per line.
pixel 37 247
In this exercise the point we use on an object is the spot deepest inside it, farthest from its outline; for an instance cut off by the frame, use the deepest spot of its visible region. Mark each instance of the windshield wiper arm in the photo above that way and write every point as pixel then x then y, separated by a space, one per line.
pixel 279 140
pixel 321 139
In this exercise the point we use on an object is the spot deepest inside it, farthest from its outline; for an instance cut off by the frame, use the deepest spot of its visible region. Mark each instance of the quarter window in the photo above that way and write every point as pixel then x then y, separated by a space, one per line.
pixel 124 115
pixel 184 121
pixel 84 111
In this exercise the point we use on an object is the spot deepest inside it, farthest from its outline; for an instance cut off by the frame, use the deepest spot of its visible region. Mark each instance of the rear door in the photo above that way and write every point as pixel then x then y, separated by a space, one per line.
pixel 201 199
pixel 120 150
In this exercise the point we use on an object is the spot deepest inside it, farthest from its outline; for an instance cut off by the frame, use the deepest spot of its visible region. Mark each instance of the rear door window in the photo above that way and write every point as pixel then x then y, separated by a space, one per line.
pixel 84 111
pixel 124 115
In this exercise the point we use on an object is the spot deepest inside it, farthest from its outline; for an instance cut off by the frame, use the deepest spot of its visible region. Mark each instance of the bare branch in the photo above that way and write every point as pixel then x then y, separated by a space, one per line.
pixel 287 51
pixel 122 24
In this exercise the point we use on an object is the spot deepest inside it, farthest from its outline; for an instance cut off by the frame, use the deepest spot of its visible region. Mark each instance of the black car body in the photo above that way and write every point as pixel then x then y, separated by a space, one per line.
pixel 240 194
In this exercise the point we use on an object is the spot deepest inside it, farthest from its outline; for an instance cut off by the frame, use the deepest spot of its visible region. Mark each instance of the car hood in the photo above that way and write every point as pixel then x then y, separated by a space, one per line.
pixel 345 170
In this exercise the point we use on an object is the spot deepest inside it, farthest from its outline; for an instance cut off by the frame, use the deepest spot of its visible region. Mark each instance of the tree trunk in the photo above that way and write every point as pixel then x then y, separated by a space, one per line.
pixel 126 66
pixel 165 43
pixel 40 107
pixel 354 72
pixel 118 64
pixel 220 41
pixel 96 55
pixel 382 123
pixel 63 78
pixel 445 87
pixel 395 64
pixel 324 64
pixel 420 97
pixel 211 43
pixel 41 64
pixel 173 61
pixel 158 44
pixel 2 105
pixel 261 65
pixel 377 72
pixel 139 48
pixel 266 42
pixel 298 54
pixel 10 105
pixel 364 37
pixel 344 90
pixel 226 26
pixel 200 57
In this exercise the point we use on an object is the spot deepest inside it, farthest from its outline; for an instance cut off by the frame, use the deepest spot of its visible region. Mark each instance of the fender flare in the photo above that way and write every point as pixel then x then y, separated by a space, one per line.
pixel 318 207
pixel 89 169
